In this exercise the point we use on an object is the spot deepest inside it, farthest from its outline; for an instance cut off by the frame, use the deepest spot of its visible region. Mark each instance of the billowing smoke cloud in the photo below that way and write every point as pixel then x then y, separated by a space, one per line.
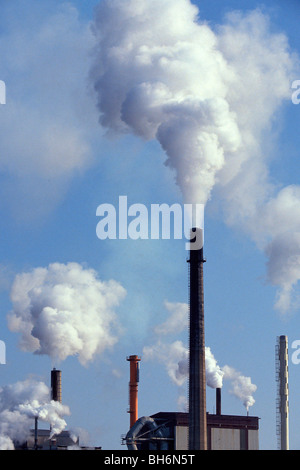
pixel 175 355
pixel 177 320
pixel 65 310
pixel 162 73
pixel 242 387
pixel 214 373
pixel 6 443
pixel 175 358
pixel 20 403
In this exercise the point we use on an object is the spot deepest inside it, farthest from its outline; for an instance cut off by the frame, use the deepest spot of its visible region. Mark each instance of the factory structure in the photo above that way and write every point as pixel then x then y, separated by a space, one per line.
pixel 44 439
pixel 170 431
pixel 197 429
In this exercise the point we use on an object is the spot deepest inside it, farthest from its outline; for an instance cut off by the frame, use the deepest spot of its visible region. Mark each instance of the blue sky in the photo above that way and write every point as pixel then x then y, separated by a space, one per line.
pixel 58 166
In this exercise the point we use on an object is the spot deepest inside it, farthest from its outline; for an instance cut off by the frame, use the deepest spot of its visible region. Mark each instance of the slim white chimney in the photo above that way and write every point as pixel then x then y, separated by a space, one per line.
pixel 283 392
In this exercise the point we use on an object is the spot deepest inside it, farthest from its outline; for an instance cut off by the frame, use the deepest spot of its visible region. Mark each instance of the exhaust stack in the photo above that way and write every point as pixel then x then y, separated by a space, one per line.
pixel 133 388
pixel 197 378
pixel 56 385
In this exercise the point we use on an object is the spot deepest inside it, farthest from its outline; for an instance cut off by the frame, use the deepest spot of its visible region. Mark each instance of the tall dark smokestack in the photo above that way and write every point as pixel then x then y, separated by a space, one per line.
pixel 56 385
pixel 197 379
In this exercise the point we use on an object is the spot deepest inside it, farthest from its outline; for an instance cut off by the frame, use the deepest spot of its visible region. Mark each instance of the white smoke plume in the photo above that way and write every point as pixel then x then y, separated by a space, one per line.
pixel 242 387
pixel 6 443
pixel 65 310
pixel 160 75
pixel 175 358
pixel 214 373
pixel 20 403
pixel 177 320
pixel 161 72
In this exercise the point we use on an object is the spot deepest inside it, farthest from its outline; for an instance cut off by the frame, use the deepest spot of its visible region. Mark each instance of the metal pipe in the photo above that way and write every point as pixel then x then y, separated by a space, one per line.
pixel 133 388
pixel 197 377
pixel 145 429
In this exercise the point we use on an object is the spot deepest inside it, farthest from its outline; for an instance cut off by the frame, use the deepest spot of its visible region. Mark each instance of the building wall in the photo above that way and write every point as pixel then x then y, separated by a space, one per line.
pixel 181 438
pixel 221 439
pixel 169 431
pixel 225 439
pixel 253 440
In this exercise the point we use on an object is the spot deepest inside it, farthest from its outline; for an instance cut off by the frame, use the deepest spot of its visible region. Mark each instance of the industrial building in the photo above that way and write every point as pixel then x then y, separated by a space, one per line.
pixel 170 431
pixel 197 429
pixel 44 439
pixel 40 439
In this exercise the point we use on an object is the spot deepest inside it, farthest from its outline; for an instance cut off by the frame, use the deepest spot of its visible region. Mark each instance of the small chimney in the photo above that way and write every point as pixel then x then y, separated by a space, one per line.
pixel 35 432
pixel 218 401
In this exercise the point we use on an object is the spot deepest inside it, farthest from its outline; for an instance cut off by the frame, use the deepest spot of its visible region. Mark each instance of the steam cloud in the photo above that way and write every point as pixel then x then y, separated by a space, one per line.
pixel 242 387
pixel 175 357
pixel 177 320
pixel 162 73
pixel 19 404
pixel 65 310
